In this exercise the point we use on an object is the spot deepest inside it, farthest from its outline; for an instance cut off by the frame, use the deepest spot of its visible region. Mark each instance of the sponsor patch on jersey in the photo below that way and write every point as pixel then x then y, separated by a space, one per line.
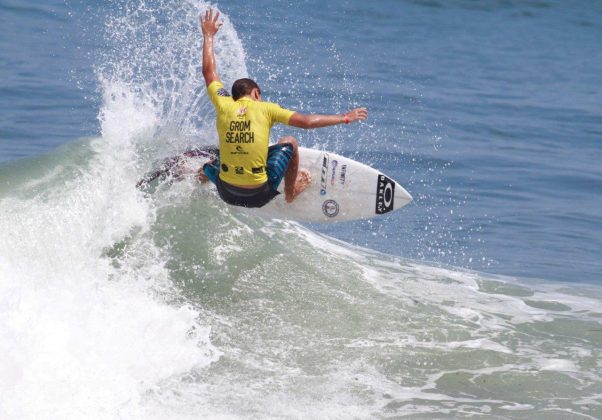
pixel 239 151
pixel 222 92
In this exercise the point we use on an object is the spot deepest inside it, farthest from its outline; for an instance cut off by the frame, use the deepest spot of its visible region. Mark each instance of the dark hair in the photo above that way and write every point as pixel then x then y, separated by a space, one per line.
pixel 243 87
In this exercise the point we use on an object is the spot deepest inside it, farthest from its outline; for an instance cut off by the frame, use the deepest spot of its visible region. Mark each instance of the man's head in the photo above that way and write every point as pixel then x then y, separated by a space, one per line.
pixel 246 87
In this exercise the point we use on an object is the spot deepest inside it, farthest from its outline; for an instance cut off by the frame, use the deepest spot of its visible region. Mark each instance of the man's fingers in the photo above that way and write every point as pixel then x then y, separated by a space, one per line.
pixel 210 17
pixel 360 113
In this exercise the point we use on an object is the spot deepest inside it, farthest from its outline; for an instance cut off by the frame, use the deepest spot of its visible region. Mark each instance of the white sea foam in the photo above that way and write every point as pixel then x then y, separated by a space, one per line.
pixel 80 337
pixel 558 365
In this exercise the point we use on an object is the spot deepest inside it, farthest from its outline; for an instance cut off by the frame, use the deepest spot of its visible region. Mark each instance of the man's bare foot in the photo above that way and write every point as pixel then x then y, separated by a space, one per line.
pixel 201 176
pixel 302 182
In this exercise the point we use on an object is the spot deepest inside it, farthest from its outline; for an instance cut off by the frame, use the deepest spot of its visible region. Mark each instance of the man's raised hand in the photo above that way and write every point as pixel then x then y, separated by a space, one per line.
pixel 209 23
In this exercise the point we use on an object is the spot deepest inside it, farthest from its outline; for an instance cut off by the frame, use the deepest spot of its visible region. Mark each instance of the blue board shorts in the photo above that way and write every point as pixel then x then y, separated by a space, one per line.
pixel 279 157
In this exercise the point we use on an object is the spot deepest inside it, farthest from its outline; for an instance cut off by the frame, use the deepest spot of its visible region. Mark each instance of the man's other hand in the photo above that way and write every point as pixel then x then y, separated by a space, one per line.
pixel 357 114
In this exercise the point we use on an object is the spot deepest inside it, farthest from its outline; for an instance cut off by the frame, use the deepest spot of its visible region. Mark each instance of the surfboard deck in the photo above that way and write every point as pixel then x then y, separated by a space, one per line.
pixel 341 189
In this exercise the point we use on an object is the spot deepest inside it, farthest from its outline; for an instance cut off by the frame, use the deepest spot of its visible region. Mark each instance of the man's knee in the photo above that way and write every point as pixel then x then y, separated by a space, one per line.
pixel 289 139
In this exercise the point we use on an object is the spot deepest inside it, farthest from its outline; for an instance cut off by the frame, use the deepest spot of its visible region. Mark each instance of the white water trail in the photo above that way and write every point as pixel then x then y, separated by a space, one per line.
pixel 82 336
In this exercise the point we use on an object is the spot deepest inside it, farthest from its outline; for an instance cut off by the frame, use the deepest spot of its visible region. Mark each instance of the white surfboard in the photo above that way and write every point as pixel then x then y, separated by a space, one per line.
pixel 341 188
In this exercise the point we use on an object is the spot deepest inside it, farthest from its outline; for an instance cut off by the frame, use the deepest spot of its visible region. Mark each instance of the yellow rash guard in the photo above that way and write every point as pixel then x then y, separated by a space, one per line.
pixel 243 127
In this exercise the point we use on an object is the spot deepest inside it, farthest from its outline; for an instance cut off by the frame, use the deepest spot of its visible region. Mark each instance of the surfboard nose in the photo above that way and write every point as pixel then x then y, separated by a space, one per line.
pixel 402 197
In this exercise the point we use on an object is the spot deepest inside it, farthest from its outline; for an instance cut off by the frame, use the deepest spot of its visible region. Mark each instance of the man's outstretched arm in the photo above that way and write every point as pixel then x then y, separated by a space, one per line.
pixel 317 120
pixel 209 26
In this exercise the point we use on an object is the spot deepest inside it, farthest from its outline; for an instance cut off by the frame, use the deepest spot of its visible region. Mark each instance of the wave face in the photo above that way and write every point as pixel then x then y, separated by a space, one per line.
pixel 116 304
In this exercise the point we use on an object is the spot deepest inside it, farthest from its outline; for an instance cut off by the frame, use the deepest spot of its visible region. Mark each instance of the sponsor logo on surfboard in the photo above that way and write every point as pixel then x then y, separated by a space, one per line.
pixel 330 208
pixel 385 193
pixel 324 176
pixel 343 174
pixel 335 163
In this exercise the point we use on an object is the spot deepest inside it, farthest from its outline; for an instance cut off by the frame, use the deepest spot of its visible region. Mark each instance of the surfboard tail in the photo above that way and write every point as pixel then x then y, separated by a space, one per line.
pixel 170 167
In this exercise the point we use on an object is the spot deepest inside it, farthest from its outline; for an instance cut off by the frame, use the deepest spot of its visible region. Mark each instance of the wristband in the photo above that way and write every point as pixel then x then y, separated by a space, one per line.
pixel 346 119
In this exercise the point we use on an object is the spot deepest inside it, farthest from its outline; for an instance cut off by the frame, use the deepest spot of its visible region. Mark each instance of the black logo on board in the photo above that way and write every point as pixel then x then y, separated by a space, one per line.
pixel 385 193
pixel 330 208
pixel 325 164
pixel 343 174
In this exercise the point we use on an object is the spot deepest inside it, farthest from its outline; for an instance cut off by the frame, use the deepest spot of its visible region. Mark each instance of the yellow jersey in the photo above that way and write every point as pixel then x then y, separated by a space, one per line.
pixel 243 127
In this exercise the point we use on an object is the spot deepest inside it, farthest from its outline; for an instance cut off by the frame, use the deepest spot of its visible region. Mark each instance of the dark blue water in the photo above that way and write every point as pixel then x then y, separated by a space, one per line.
pixel 490 113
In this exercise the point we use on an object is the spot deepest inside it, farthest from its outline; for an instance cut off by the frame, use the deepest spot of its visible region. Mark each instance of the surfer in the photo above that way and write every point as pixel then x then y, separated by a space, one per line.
pixel 248 171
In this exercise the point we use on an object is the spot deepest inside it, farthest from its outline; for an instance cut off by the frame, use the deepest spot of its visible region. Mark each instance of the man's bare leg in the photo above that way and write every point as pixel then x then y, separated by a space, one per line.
pixel 295 180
